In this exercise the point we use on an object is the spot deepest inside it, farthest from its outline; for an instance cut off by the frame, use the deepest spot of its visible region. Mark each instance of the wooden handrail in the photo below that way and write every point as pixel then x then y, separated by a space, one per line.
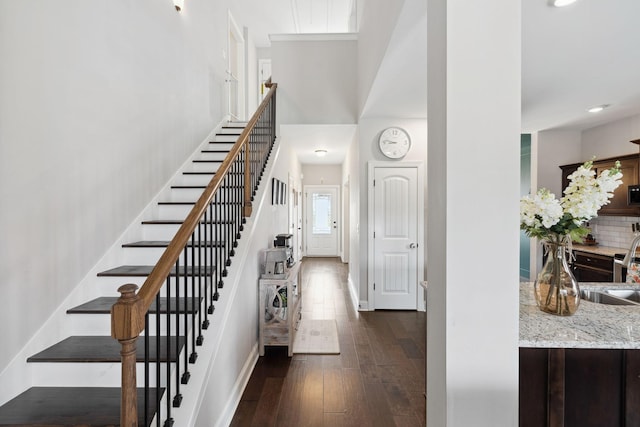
pixel 128 313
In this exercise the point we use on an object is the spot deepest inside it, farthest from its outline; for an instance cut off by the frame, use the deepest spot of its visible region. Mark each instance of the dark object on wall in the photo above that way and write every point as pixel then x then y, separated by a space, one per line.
pixel 275 191
pixel 278 192
pixel 633 195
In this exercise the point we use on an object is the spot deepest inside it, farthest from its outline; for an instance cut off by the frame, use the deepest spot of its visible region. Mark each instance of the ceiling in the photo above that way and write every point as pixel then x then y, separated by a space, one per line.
pixel 295 17
pixel 577 57
pixel 308 138
pixel 573 58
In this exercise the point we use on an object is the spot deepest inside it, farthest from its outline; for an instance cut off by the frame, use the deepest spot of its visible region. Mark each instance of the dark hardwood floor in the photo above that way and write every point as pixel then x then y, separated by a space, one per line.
pixel 378 379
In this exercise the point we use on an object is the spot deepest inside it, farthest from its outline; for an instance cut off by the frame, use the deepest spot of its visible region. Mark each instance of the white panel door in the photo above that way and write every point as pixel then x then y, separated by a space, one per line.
pixel 322 220
pixel 396 238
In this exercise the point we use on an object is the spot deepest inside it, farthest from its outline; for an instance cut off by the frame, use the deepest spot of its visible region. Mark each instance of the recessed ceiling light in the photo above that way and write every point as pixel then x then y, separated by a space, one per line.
pixel 561 3
pixel 321 153
pixel 597 108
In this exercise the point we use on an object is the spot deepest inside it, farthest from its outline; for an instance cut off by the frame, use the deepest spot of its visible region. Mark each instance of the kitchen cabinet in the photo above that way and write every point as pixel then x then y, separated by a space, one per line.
pixel 618 203
pixel 576 387
pixel 588 267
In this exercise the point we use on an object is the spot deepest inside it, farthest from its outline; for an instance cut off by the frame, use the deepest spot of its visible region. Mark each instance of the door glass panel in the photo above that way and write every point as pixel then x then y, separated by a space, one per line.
pixel 321 223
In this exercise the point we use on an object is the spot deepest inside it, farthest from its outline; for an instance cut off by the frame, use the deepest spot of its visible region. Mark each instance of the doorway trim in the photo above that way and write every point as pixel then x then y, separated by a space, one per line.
pixel 372 166
pixel 235 72
pixel 338 212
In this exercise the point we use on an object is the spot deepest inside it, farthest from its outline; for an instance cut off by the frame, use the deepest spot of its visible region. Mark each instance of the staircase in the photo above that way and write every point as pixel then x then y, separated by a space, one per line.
pixel 93 357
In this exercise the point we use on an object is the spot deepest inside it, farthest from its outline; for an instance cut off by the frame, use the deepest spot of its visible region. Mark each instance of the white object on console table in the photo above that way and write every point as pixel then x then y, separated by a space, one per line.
pixel 593 326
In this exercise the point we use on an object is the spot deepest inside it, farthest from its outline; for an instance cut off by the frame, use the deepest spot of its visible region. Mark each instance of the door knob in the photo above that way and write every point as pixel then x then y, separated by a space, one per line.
pixel 413 245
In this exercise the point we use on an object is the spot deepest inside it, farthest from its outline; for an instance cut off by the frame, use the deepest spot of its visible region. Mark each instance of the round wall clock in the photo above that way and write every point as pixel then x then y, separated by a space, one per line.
pixel 394 142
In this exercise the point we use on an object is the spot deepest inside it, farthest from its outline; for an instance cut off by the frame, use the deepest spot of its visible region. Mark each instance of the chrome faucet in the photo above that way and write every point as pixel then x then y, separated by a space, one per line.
pixel 634 245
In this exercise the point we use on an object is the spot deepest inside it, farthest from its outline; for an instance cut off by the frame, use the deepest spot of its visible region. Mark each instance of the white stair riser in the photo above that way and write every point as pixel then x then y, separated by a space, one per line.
pixel 111 284
pixel 161 231
pixel 85 374
pixel 213 156
pixel 150 256
pixel 203 167
pixel 185 194
pixel 100 324
pixel 222 142
pixel 182 211
pixel 228 131
pixel 193 179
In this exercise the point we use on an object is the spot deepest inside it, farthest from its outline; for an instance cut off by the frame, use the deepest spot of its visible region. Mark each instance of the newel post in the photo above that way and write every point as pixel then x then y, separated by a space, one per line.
pixel 125 327
pixel 248 207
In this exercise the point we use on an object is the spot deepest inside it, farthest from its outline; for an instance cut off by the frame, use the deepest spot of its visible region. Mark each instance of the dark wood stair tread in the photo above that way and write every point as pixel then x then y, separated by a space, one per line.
pixel 70 406
pixel 215 151
pixel 164 244
pixel 193 203
pixel 103 349
pixel 145 270
pixel 102 305
pixel 179 222
pixel 209 173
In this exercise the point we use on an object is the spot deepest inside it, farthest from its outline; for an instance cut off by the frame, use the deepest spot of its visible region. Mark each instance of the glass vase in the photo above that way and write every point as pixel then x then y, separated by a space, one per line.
pixel 556 289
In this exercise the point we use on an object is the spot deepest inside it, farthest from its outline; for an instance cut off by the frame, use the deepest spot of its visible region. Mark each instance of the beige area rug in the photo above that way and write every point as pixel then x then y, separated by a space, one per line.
pixel 316 337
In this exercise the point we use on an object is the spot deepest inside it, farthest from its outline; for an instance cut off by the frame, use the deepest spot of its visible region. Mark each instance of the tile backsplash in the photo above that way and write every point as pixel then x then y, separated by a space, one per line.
pixel 614 231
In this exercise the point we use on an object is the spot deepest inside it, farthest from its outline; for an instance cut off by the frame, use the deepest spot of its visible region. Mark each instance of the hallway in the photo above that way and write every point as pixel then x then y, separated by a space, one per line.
pixel 376 380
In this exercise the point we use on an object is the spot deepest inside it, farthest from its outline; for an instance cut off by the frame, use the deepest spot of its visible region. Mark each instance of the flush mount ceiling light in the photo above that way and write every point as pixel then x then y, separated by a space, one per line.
pixel 321 153
pixel 597 108
pixel 561 3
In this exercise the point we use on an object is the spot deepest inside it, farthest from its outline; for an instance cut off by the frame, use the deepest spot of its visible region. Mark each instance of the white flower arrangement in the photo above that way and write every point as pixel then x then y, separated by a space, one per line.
pixel 545 217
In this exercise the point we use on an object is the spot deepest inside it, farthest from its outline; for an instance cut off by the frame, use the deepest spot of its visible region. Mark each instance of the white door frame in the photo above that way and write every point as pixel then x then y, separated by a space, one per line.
pixel 262 90
pixel 234 30
pixel 338 212
pixel 371 305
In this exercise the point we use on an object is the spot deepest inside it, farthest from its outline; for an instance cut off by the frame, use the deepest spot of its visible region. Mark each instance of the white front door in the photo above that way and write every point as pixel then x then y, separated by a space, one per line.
pixel 395 238
pixel 322 220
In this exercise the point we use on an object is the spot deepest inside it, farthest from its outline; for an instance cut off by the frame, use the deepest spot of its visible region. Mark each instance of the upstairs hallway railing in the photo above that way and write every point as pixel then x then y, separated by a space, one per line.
pixel 185 282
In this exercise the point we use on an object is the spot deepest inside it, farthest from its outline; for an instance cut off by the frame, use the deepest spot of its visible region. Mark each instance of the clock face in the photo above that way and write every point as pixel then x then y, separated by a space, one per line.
pixel 394 142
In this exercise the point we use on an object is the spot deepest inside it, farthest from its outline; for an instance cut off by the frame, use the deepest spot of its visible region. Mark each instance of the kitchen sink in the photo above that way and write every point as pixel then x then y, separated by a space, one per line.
pixel 628 294
pixel 605 298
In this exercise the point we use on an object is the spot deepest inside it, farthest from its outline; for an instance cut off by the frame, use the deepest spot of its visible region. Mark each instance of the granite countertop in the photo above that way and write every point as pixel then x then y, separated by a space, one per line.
pixel 600 250
pixel 592 326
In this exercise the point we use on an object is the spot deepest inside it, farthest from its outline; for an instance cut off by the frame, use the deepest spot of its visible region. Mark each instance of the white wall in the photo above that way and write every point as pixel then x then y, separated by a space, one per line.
pixel 473 302
pixel 611 139
pixel 377 23
pixel 322 174
pixel 317 78
pixel 549 151
pixel 350 170
pixel 368 132
pixel 101 102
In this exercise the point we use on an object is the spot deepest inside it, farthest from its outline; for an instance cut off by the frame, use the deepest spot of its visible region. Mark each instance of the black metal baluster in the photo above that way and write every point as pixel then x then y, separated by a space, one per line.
pixel 169 421
pixel 220 236
pixel 196 269
pixel 208 288
pixel 213 245
pixel 229 218
pixel 157 355
pixel 199 302
pixel 147 334
pixel 177 399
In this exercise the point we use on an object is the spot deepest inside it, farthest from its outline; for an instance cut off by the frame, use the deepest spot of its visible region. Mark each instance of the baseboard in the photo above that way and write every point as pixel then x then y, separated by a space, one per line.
pixel 357 305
